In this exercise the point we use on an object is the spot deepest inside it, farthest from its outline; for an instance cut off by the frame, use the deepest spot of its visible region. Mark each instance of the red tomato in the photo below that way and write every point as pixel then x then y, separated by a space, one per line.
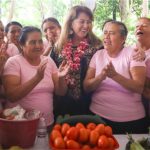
pixel 96 148
pixel 65 138
pixel 80 125
pixel 71 144
pixel 89 131
pixel 94 135
pixel 65 127
pixel 108 131
pixel 57 127
pixel 100 128
pixel 86 147
pixel 111 142
pixel 103 142
pixel 72 133
pixel 54 134
pixel 83 135
pixel 91 126
pixel 59 143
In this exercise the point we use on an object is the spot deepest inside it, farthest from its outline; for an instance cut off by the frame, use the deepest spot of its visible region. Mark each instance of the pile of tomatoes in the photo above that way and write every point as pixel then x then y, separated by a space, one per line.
pixel 84 137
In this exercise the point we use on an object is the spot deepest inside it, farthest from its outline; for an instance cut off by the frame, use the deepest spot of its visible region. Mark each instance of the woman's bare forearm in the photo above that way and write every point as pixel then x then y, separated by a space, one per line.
pixel 17 92
pixel 92 84
pixel 129 84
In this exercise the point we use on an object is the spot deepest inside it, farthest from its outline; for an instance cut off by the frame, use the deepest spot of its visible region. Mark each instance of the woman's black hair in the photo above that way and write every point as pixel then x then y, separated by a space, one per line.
pixel 10 24
pixel 123 28
pixel 51 19
pixel 24 33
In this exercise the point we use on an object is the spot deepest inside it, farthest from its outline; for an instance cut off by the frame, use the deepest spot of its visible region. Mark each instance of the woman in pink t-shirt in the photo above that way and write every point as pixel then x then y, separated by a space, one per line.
pixel 12 31
pixel 30 79
pixel 142 33
pixel 6 50
pixel 117 82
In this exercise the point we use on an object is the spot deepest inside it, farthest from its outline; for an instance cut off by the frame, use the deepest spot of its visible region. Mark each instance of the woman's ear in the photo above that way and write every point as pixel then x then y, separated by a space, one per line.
pixel 123 40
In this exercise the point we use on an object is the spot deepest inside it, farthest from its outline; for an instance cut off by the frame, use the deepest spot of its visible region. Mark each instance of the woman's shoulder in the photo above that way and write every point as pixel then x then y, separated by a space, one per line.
pixel 17 57
pixel 100 52
pixel 46 57
pixel 14 61
pixel 49 59
pixel 129 50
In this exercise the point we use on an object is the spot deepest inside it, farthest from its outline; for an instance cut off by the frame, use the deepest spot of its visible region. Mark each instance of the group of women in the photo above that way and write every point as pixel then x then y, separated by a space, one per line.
pixel 73 72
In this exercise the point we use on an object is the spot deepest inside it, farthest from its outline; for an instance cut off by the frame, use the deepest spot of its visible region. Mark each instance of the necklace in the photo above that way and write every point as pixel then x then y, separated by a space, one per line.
pixel 72 55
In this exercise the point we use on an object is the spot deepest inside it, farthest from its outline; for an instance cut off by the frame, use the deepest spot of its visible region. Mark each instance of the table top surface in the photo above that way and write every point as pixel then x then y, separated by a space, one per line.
pixel 122 139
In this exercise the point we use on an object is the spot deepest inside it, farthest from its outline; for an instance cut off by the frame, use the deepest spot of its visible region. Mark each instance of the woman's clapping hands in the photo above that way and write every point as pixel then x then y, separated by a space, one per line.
pixel 108 71
pixel 41 68
pixel 63 69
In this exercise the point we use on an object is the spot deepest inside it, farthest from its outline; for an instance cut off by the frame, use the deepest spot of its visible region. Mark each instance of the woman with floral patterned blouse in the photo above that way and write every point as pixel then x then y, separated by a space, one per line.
pixel 76 45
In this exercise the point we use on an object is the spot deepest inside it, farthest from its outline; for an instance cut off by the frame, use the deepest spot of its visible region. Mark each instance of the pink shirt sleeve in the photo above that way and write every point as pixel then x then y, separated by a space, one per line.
pixel 148 68
pixel 148 63
pixel 93 61
pixel 12 67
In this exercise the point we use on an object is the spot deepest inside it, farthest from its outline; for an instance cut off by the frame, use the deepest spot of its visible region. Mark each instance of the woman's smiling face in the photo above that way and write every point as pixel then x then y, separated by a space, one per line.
pixel 81 25
pixel 34 45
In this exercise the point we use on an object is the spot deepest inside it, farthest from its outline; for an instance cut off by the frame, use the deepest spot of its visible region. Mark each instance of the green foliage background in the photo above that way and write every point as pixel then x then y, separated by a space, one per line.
pixel 30 12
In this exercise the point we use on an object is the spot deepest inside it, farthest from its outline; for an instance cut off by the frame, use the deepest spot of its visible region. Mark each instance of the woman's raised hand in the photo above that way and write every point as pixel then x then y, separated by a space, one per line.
pixel 3 54
pixel 51 40
pixel 139 55
pixel 103 74
pixel 41 68
pixel 63 69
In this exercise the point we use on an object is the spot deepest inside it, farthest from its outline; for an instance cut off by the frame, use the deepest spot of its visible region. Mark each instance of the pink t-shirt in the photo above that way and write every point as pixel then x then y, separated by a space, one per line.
pixel 147 61
pixel 12 50
pixel 41 97
pixel 111 100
